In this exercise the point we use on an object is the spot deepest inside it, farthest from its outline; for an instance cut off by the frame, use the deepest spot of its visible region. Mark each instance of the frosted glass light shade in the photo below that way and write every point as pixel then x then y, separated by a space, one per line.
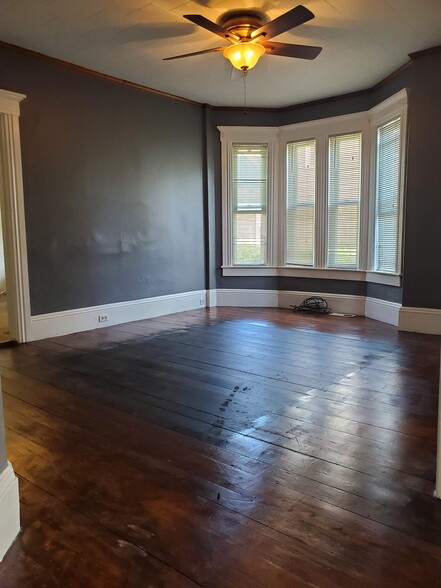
pixel 244 56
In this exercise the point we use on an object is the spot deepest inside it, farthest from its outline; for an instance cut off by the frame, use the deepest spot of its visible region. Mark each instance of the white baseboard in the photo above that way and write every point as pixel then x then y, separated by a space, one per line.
pixel 420 320
pixel 211 298
pixel 382 310
pixel 9 509
pixel 56 324
pixel 247 297
pixel 285 298
pixel 345 303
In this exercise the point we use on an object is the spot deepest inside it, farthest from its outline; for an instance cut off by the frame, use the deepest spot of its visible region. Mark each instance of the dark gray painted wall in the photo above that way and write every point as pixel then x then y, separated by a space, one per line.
pixel 383 292
pixel 113 187
pixel 422 252
pixel 421 277
pixel 106 165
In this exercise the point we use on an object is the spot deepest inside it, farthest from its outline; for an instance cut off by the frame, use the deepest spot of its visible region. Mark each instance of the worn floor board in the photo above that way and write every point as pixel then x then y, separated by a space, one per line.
pixel 227 447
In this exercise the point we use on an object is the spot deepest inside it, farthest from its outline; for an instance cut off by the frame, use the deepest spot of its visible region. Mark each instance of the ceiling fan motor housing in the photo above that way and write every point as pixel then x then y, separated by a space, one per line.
pixel 243 24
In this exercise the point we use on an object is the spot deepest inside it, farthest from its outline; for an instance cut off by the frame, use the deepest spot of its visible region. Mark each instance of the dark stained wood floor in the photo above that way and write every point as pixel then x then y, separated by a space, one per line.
pixel 228 448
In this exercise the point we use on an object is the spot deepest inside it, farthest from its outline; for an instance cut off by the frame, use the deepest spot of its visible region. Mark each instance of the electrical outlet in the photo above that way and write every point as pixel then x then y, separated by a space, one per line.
pixel 103 318
pixel 202 302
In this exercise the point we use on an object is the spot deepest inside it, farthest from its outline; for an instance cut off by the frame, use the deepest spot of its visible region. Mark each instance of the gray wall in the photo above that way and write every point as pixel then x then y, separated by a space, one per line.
pixel 123 187
pixel 113 180
pixel 422 252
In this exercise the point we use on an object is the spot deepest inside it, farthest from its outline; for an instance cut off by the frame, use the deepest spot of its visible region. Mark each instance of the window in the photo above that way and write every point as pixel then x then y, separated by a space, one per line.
pixel 300 202
pixel 344 190
pixel 387 195
pixel 250 197
pixel 316 199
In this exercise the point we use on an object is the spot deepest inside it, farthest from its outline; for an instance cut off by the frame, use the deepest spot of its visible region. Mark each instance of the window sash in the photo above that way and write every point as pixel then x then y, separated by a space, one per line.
pixel 249 179
pixel 387 195
pixel 300 202
pixel 344 197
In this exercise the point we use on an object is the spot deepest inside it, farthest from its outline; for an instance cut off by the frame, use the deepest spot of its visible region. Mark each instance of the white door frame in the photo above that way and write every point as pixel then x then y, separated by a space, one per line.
pixel 13 217
pixel 438 446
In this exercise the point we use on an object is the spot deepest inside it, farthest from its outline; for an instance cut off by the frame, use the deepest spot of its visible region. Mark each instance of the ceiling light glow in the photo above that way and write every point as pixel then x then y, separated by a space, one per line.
pixel 244 56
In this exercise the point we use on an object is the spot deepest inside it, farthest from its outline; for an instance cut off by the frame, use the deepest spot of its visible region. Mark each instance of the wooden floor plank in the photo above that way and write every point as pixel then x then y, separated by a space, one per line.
pixel 225 447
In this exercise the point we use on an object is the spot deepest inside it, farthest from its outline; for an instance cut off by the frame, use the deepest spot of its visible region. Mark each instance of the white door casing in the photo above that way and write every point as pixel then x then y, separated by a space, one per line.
pixel 13 217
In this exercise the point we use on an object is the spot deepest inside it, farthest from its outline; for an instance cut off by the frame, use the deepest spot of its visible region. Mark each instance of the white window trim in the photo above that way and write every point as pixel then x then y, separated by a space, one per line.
pixel 315 273
pixel 229 136
pixel 380 114
pixel 277 138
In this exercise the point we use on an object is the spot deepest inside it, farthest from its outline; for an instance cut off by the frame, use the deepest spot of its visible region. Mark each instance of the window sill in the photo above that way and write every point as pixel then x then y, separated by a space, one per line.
pixel 315 273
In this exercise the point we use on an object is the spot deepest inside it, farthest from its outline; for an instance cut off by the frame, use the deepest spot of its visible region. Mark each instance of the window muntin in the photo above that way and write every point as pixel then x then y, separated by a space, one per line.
pixel 344 193
pixel 300 202
pixel 249 202
pixel 387 195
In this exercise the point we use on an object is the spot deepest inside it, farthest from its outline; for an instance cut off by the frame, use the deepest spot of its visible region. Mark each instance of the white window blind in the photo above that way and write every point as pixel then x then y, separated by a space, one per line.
pixel 344 187
pixel 387 195
pixel 250 196
pixel 300 202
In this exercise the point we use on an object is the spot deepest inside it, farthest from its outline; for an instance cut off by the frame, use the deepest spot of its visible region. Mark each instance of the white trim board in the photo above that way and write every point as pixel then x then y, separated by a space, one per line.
pixel 247 297
pixel 416 320
pixel 315 273
pixel 438 444
pixel 420 320
pixel 382 310
pixel 211 298
pixel 285 298
pixel 13 216
pixel 345 303
pixel 9 509
pixel 77 320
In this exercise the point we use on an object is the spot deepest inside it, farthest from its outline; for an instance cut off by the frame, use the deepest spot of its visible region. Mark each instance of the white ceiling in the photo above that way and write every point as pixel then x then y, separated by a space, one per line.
pixel 363 41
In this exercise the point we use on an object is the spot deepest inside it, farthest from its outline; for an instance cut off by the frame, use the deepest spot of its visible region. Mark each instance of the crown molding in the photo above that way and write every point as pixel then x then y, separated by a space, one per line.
pixel 424 52
pixel 136 86
pixel 96 74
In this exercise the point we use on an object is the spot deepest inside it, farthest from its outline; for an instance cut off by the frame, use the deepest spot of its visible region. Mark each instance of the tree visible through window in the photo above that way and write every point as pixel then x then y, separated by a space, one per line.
pixel 250 196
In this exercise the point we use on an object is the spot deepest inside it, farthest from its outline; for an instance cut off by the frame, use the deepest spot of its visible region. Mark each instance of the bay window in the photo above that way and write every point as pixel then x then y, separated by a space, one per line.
pixel 320 199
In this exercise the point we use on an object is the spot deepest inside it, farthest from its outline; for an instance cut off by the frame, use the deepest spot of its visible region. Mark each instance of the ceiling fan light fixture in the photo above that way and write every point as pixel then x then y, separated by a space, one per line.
pixel 244 56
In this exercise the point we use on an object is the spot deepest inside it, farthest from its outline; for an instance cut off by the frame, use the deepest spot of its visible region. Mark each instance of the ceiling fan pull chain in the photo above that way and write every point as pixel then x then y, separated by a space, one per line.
pixel 244 77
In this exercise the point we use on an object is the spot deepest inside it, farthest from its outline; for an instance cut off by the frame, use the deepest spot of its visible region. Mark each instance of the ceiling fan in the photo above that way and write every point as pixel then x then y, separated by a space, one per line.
pixel 250 36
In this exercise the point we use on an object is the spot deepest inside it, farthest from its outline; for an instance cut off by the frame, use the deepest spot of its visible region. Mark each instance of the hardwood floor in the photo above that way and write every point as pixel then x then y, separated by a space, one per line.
pixel 228 448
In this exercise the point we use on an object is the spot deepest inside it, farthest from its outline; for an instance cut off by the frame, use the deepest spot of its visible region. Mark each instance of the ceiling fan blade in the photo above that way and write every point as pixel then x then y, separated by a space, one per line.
pixel 215 50
pixel 203 22
pixel 290 50
pixel 284 22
